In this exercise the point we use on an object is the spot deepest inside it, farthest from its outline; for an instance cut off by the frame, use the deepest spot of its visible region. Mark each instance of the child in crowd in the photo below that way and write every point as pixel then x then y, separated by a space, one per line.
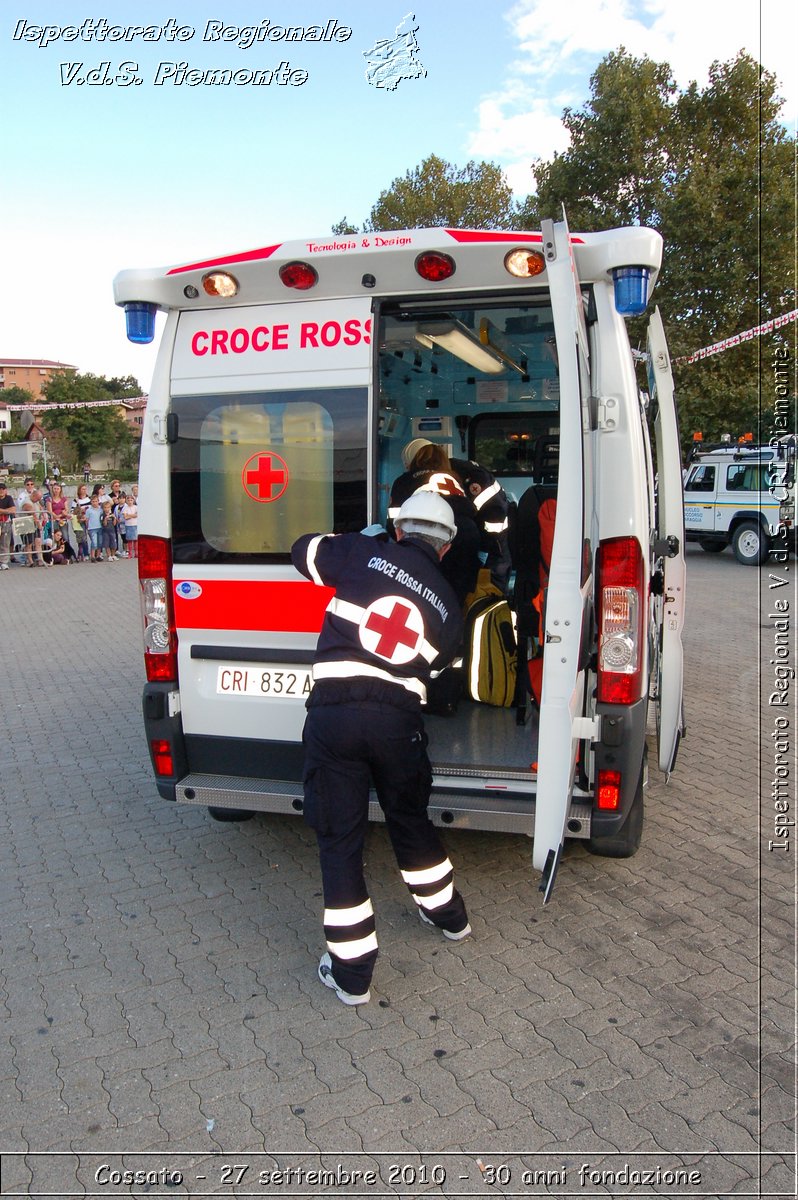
pixel 61 553
pixel 108 532
pixel 79 506
pixel 94 528
pixel 121 529
pixel 81 540
pixel 27 530
pixel 130 513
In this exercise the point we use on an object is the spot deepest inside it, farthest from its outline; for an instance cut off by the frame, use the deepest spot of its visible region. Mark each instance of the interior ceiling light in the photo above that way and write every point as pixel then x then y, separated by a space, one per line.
pixel 497 343
pixel 459 341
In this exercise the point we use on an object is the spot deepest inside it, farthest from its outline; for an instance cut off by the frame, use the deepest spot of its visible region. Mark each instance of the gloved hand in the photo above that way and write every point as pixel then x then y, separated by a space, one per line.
pixel 374 531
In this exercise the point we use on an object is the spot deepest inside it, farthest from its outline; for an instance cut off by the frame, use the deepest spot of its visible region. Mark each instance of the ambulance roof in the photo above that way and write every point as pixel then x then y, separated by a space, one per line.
pixel 384 264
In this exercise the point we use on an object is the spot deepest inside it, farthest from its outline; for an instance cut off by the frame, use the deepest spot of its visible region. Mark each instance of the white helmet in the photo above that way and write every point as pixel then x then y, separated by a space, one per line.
pixel 411 450
pixel 427 512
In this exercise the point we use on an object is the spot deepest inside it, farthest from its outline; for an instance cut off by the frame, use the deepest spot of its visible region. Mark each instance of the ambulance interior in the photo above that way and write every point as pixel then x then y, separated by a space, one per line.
pixel 483 381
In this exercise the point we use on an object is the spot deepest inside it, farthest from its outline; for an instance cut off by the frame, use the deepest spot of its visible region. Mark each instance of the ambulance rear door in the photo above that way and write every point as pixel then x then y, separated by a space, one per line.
pixel 270 407
pixel 669 549
pixel 568 599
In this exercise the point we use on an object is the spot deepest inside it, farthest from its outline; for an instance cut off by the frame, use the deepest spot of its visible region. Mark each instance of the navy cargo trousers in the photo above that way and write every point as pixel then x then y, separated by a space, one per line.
pixel 346 746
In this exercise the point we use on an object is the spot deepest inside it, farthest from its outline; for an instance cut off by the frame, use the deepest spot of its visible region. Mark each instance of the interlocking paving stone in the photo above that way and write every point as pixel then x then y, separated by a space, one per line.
pixel 157 970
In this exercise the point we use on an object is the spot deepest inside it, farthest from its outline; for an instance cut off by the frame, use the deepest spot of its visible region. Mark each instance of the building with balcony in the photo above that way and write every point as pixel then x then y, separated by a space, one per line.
pixel 33 374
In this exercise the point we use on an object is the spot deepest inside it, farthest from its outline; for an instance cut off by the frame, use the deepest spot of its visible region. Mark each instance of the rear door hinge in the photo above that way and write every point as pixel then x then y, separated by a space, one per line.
pixel 608 412
pixel 587 728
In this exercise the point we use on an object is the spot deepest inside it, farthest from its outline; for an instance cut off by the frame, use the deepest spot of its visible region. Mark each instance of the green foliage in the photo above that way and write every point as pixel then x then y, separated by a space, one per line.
pixel 344 227
pixel 615 170
pixel 125 388
pixel 17 395
pixel 437 194
pixel 713 170
pixel 85 431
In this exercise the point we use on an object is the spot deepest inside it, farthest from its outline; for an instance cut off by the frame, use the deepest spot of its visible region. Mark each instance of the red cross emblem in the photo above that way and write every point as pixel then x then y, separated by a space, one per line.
pixel 392 628
pixel 444 485
pixel 265 476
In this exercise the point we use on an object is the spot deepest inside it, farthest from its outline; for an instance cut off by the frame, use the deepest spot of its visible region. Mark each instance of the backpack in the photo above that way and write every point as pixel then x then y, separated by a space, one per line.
pixel 491 651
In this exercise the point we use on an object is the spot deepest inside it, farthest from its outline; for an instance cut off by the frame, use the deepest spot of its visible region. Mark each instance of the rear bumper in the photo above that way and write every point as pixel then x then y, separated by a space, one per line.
pixel 240 759
pixel 162 723
pixel 621 748
pixel 508 811
pixel 266 776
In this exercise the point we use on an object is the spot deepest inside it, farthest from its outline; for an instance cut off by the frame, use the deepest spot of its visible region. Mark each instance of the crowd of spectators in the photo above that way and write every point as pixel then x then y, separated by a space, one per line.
pixel 42 526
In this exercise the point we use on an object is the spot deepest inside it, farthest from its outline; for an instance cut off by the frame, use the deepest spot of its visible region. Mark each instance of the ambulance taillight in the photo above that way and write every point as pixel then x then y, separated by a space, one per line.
pixel 621 615
pixel 608 790
pixel 162 757
pixel 155 580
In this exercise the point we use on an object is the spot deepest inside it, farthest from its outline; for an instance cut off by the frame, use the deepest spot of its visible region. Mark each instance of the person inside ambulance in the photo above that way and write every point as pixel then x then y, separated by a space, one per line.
pixel 392 621
pixel 427 466
pixel 493 511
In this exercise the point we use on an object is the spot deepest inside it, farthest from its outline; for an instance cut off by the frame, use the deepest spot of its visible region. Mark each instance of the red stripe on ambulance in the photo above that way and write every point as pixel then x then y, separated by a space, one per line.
pixel 467 236
pixel 284 607
pixel 245 256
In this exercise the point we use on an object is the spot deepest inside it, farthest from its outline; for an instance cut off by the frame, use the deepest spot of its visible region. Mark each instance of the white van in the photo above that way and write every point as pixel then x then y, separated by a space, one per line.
pixel 288 381
pixel 743 497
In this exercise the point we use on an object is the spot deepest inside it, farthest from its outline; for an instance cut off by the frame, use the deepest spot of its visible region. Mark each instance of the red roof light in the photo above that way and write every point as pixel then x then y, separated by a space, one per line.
pixel 434 266
pixel 299 275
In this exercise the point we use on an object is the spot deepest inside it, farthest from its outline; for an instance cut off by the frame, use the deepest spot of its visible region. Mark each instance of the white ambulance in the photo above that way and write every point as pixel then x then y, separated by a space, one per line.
pixel 288 381
pixel 743 497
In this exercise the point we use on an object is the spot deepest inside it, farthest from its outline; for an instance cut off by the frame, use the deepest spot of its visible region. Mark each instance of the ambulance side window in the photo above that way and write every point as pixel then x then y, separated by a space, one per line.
pixel 702 480
pixel 252 472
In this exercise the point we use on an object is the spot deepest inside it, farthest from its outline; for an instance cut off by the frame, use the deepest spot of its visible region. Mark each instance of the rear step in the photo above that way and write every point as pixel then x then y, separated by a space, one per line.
pixel 494 806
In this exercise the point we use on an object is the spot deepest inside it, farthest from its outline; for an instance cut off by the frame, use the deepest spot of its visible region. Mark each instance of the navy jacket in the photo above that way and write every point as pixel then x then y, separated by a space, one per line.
pixel 393 618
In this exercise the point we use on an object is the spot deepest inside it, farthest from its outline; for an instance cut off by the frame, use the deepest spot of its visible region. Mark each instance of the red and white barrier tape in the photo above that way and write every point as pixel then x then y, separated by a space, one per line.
pixel 37 407
pixel 748 336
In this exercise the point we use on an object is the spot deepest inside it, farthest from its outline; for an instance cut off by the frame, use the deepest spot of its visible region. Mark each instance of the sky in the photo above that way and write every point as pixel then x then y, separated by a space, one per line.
pixel 109 175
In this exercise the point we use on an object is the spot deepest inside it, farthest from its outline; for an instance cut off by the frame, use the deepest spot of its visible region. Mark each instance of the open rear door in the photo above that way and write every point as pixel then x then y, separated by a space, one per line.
pixel 570 577
pixel 669 547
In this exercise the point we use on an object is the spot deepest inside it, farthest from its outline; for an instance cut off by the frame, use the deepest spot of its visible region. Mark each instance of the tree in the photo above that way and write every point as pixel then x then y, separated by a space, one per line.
pixel 17 395
pixel 88 429
pixel 125 387
pixel 437 193
pixel 713 170
pixel 615 169
pixel 343 227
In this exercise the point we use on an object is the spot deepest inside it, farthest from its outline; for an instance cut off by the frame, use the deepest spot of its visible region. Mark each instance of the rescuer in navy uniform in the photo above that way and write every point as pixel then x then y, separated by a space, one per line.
pixel 392 621
pixel 427 467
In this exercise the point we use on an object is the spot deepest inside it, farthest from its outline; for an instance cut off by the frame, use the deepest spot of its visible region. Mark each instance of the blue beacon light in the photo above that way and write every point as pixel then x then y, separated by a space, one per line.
pixel 140 322
pixel 631 290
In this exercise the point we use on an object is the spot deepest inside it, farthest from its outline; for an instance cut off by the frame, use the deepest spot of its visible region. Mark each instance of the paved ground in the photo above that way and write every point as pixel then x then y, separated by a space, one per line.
pixel 158 970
